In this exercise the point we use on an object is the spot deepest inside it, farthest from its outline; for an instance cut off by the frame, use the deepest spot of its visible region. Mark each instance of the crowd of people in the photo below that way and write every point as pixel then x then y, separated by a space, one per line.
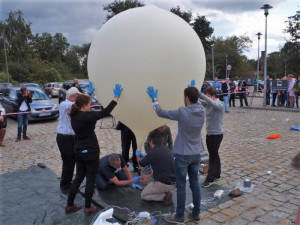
pixel 170 163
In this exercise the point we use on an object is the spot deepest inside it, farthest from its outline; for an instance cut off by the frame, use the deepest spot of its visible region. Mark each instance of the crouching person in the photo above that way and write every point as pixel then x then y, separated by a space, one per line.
pixel 162 162
pixel 113 169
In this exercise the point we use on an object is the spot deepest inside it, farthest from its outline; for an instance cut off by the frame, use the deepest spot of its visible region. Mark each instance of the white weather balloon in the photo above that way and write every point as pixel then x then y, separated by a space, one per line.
pixel 141 47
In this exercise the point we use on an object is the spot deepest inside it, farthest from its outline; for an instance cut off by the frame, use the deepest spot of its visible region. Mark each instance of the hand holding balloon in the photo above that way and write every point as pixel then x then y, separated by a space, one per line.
pixel 91 89
pixel 193 83
pixel 118 90
pixel 152 93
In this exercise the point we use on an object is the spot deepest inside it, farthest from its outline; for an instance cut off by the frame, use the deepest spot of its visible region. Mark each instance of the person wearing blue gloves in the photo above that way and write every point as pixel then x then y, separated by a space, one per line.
pixel 162 162
pixel 112 168
pixel 83 122
pixel 187 148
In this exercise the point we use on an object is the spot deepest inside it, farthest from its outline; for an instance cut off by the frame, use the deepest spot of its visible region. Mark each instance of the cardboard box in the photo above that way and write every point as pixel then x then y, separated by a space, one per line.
pixel 203 168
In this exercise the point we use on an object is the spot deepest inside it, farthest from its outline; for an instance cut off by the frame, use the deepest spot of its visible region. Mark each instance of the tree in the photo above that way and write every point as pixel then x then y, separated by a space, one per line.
pixel 17 33
pixel 118 6
pixel 291 53
pixel 233 47
pixel 293 26
pixel 202 27
pixel 186 16
pixel 51 48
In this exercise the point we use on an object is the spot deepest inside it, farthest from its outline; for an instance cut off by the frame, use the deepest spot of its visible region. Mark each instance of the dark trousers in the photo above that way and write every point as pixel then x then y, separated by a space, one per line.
pixel 86 166
pixel 274 98
pixel 213 143
pixel 65 145
pixel 128 139
pixel 297 94
pixel 243 96
pixel 232 99
pixel 268 98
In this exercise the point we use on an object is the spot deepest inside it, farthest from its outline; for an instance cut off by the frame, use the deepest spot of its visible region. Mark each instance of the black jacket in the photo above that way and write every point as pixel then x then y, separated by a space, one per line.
pixel 83 124
pixel 22 98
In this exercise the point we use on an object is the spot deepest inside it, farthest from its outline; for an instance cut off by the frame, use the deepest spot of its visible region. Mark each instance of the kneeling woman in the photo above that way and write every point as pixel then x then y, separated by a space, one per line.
pixel 87 150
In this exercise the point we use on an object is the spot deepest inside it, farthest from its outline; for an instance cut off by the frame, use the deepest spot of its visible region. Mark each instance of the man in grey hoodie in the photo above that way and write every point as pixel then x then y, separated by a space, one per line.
pixel 214 136
pixel 187 148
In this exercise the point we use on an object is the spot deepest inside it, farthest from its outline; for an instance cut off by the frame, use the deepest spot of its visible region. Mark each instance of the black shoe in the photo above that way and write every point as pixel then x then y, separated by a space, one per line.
pixel 18 139
pixel 207 184
pixel 26 138
pixel 195 219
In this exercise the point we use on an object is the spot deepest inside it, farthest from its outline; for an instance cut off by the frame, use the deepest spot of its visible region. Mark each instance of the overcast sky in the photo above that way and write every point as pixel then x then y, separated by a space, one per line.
pixel 79 20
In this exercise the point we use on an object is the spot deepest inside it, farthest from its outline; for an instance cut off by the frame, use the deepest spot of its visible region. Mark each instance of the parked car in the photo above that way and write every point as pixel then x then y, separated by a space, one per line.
pixel 25 84
pixel 4 86
pixel 42 108
pixel 52 89
pixel 260 85
pixel 84 84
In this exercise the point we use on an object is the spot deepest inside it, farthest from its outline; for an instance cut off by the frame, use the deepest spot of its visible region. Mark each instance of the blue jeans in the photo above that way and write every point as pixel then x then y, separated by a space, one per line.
pixel 22 121
pixel 226 99
pixel 187 164
pixel 101 182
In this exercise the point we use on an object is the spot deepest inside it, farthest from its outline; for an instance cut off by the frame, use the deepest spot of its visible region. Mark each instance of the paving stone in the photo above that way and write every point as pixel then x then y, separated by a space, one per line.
pixel 268 219
pixel 278 214
pixel 238 221
pixel 219 217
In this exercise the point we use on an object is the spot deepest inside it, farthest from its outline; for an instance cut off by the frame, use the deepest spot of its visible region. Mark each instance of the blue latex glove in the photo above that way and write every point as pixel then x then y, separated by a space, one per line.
pixel 152 93
pixel 118 90
pixel 138 152
pixel 136 179
pixel 91 89
pixel 193 83
pixel 136 186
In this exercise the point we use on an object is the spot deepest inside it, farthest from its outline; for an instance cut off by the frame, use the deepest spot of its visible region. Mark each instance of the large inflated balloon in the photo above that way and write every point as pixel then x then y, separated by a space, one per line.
pixel 141 47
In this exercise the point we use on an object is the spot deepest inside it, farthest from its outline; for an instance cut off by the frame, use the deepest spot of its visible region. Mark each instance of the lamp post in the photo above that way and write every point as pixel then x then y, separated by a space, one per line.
pixel 266 8
pixel 285 67
pixel 226 65
pixel 213 61
pixel 257 75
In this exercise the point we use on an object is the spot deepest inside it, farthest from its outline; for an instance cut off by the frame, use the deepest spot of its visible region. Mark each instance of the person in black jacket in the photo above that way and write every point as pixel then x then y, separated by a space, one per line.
pixel 87 149
pixel 24 98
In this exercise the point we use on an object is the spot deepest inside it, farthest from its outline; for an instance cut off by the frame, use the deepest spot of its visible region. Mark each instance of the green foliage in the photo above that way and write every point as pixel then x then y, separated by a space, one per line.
pixel 187 16
pixel 39 58
pixel 293 26
pixel 202 27
pixel 17 33
pixel 291 53
pixel 50 48
pixel 118 6
pixel 233 47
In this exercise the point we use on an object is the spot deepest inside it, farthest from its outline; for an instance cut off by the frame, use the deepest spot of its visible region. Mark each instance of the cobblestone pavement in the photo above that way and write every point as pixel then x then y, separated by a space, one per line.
pixel 245 153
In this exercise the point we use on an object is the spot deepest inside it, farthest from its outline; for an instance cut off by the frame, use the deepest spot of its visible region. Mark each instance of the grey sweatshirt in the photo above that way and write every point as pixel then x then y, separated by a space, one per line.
pixel 190 122
pixel 214 114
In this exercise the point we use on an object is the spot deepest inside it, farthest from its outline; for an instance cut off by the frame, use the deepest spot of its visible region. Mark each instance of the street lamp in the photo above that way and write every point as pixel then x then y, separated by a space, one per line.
pixel 226 65
pixel 212 61
pixel 266 8
pixel 285 67
pixel 257 75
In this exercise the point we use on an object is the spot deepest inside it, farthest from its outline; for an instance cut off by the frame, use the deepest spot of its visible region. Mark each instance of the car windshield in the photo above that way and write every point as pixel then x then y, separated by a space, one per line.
pixel 38 95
